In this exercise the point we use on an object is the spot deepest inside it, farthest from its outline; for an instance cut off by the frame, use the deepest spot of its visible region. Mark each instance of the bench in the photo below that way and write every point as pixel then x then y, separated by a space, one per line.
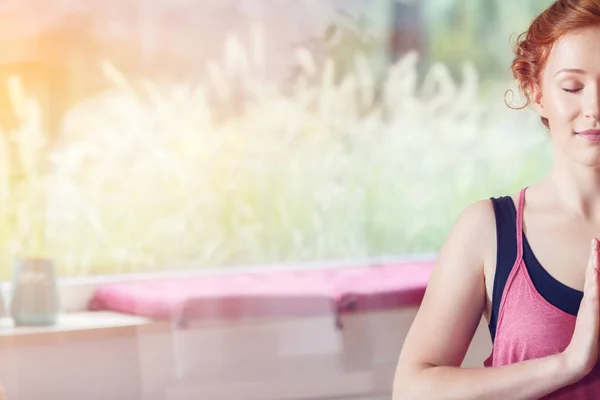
pixel 270 334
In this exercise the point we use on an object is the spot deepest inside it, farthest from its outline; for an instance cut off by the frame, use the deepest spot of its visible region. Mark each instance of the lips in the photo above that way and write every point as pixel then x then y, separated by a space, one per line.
pixel 590 134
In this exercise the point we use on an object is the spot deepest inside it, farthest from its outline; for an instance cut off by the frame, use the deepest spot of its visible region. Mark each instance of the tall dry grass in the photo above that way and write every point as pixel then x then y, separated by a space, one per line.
pixel 333 168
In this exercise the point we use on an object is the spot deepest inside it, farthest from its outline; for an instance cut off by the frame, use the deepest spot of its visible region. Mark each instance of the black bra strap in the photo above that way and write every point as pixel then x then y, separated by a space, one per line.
pixel 506 228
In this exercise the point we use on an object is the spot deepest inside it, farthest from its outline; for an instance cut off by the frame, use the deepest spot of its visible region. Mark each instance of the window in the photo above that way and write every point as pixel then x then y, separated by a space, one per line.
pixel 151 135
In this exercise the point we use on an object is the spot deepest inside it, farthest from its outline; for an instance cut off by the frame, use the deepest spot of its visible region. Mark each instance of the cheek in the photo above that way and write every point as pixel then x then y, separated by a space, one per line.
pixel 562 107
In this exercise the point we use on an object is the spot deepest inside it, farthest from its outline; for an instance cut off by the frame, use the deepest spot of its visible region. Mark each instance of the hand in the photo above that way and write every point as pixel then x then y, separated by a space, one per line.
pixel 581 354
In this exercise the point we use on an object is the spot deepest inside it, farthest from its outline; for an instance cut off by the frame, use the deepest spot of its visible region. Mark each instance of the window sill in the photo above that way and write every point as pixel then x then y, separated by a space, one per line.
pixel 72 326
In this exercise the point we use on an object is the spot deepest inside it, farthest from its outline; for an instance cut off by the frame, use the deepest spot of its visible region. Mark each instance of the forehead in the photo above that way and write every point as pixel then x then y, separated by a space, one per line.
pixel 579 49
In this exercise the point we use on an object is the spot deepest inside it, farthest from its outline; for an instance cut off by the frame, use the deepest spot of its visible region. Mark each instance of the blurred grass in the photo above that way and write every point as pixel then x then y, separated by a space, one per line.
pixel 333 169
pixel 481 31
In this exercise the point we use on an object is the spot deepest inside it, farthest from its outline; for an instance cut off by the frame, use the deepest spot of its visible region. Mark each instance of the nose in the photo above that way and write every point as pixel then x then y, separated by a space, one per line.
pixel 592 104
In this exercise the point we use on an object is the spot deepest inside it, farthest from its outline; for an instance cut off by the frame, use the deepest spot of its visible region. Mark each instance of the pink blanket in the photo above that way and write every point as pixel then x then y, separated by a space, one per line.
pixel 273 293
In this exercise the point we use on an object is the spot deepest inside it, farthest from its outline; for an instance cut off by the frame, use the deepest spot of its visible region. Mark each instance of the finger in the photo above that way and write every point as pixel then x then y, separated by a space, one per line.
pixel 596 263
pixel 593 289
pixel 595 247
pixel 591 270
pixel 590 265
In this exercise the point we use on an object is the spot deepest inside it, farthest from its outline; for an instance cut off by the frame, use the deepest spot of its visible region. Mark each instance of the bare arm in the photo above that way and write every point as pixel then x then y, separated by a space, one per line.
pixel 429 364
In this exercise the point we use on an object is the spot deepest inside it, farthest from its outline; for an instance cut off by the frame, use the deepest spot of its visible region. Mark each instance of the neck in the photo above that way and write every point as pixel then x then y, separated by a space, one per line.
pixel 576 188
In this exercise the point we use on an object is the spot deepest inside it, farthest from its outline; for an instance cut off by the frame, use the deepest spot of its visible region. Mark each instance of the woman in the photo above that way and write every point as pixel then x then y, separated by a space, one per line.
pixel 527 262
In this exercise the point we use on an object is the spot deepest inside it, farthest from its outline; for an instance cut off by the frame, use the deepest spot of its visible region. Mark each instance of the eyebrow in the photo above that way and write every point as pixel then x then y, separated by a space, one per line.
pixel 572 70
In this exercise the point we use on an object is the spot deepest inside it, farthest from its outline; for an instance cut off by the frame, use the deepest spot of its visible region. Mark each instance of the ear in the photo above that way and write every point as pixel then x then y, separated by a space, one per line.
pixel 537 100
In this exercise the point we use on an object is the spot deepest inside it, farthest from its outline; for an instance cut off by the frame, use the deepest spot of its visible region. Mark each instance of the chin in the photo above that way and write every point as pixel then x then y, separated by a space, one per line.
pixel 591 161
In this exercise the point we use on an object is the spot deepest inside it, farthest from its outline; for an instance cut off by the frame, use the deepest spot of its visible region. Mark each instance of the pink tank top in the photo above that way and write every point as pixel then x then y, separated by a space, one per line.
pixel 530 327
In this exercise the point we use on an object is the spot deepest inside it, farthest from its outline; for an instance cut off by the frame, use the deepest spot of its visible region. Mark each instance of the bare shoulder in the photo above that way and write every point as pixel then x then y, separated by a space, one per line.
pixel 472 236
pixel 477 215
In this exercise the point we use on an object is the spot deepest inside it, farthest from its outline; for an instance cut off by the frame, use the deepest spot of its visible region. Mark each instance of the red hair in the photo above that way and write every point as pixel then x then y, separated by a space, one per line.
pixel 534 45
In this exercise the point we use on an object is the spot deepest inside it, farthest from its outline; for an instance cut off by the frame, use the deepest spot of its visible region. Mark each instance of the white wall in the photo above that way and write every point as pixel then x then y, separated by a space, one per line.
pixel 267 359
pixel 65 370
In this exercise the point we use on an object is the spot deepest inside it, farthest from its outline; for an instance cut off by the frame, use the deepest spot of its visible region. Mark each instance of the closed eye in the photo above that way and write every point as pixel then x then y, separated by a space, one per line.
pixel 572 90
